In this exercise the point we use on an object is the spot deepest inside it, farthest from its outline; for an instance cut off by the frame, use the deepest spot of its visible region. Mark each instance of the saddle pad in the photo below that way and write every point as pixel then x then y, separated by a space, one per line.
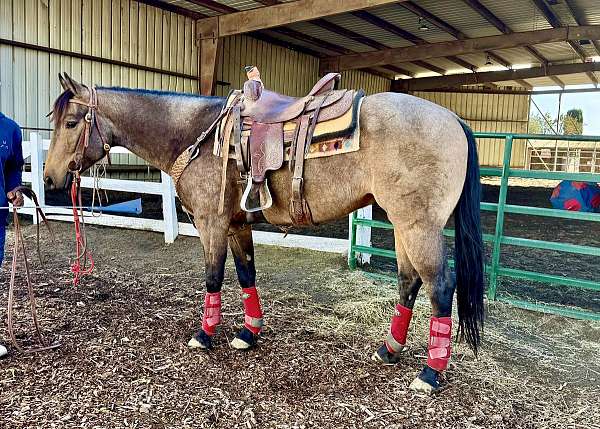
pixel 332 137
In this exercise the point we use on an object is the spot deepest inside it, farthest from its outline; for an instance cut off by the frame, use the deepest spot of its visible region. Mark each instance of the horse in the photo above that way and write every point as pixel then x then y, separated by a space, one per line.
pixel 417 161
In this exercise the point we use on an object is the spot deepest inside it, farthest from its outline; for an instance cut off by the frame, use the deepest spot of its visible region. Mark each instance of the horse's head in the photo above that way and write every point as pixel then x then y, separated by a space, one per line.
pixel 82 136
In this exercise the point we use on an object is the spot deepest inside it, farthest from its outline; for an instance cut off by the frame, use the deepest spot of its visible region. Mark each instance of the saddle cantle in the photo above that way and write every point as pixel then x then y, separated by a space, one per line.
pixel 264 128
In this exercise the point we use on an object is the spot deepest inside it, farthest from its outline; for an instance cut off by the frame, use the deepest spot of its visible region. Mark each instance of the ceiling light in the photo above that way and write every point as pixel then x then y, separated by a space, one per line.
pixel 423 24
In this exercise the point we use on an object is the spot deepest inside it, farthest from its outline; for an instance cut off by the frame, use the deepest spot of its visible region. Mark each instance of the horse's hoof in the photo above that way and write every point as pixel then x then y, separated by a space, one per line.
pixel 385 357
pixel 426 382
pixel 200 341
pixel 244 340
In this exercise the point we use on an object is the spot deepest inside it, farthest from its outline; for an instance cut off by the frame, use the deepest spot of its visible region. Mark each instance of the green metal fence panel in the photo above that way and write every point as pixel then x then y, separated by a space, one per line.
pixel 494 269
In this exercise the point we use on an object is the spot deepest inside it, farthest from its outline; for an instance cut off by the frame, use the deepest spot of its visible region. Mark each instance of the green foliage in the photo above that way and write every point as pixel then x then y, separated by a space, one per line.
pixel 573 122
pixel 569 123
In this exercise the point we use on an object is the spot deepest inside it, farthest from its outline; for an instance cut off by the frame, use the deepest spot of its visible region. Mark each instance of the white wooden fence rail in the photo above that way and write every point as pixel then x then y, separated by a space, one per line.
pixel 35 150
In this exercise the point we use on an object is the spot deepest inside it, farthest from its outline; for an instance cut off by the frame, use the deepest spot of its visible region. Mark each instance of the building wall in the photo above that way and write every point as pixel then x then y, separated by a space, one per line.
pixel 489 112
pixel 134 33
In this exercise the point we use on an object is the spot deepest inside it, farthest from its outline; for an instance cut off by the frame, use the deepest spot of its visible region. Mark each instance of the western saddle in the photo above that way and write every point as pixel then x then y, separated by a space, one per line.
pixel 261 126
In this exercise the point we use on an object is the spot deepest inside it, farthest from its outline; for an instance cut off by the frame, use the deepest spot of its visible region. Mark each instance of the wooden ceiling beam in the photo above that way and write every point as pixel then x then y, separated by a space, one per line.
pixel 557 81
pixel 280 14
pixel 173 8
pixel 394 29
pixel 581 19
pixel 334 28
pixel 524 84
pixel 489 16
pixel 399 70
pixel 459 47
pixel 429 66
pixel 214 6
pixel 455 80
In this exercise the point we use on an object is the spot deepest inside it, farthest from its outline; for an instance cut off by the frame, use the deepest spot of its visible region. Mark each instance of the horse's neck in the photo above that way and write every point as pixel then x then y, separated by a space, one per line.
pixel 157 128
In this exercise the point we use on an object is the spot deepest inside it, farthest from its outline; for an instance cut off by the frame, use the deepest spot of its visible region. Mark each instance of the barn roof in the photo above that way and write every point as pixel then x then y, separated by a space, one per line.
pixel 428 22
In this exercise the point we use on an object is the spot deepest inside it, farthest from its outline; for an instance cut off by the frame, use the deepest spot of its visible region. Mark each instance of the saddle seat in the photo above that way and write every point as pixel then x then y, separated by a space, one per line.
pixel 271 107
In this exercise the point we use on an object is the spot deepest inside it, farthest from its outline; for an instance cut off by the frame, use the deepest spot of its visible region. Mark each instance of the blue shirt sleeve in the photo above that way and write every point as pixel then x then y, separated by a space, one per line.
pixel 13 168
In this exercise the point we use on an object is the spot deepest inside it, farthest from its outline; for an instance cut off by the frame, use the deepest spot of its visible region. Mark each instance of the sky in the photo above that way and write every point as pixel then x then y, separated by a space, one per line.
pixel 588 102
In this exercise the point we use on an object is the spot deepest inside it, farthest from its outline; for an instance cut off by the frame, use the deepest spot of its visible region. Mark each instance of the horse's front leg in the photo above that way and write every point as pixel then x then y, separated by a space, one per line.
pixel 242 248
pixel 214 241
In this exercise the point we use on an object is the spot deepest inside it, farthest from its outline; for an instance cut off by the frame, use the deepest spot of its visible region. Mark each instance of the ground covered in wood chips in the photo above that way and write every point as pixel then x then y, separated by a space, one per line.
pixel 124 361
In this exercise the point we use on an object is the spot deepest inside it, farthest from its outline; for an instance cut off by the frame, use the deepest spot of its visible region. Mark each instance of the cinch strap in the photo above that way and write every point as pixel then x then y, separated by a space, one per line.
pixel 440 342
pixel 396 338
pixel 212 312
pixel 253 312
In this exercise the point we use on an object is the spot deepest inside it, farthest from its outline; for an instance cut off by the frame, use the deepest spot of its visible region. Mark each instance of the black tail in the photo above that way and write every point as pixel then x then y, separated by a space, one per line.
pixel 469 252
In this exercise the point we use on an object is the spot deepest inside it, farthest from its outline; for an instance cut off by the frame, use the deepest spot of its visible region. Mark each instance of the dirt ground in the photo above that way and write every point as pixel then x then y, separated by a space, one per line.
pixel 123 360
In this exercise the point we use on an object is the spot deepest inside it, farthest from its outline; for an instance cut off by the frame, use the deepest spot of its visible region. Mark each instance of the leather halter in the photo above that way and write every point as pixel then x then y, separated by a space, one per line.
pixel 91 122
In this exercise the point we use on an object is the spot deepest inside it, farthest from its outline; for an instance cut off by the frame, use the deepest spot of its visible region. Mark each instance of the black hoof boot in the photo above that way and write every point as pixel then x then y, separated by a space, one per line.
pixel 244 340
pixel 200 341
pixel 426 382
pixel 384 356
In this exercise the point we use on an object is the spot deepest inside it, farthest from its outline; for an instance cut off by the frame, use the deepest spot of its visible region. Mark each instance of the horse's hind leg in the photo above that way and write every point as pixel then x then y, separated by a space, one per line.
pixel 242 248
pixel 424 245
pixel 409 284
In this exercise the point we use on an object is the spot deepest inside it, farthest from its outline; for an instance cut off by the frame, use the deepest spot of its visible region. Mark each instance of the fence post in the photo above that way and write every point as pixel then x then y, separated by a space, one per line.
pixel 359 235
pixel 500 217
pixel 37 168
pixel 363 233
pixel 351 240
pixel 169 208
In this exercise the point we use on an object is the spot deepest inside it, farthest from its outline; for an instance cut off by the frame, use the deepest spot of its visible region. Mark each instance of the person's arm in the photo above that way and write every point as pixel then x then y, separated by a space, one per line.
pixel 13 169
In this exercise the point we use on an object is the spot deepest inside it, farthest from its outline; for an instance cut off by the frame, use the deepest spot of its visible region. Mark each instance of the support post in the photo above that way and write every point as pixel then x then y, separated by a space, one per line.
pixel 169 209
pixel 37 168
pixel 207 35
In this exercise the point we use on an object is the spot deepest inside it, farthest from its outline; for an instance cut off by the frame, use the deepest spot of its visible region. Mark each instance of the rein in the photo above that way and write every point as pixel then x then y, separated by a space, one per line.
pixel 19 248
pixel 79 266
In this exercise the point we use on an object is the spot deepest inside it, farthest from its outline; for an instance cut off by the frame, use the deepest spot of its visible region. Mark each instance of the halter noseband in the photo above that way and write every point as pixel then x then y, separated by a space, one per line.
pixel 91 122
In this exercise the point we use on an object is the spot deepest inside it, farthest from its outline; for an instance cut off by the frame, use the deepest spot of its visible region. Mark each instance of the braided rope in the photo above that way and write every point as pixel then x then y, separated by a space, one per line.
pixel 179 166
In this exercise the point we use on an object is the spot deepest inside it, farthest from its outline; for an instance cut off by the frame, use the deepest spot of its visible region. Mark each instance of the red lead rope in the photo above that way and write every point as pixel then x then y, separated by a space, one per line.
pixel 83 255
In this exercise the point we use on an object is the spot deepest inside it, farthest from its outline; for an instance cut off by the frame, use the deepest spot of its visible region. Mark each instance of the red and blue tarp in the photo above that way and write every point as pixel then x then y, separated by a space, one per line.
pixel 576 196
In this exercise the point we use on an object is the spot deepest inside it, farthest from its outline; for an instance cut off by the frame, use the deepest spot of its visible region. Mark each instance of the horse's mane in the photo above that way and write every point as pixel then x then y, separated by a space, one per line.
pixel 62 102
pixel 157 92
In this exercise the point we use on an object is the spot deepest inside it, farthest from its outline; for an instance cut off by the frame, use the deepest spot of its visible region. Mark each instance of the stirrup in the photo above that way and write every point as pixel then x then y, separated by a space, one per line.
pixel 261 194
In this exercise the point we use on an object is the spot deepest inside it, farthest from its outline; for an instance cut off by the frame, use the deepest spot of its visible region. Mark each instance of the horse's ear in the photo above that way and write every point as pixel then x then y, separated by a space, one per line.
pixel 63 82
pixel 69 83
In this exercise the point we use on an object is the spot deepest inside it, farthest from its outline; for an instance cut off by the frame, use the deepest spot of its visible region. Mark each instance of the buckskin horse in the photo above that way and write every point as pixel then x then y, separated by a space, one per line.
pixel 417 161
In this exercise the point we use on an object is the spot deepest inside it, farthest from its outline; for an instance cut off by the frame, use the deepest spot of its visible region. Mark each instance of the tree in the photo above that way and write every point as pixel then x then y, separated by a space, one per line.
pixel 573 122
pixel 570 123
pixel 539 124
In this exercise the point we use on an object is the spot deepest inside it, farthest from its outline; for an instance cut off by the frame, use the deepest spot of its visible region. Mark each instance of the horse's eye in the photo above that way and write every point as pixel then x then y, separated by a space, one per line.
pixel 71 124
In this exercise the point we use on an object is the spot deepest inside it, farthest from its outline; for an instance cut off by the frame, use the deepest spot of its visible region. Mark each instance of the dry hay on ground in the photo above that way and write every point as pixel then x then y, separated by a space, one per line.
pixel 124 363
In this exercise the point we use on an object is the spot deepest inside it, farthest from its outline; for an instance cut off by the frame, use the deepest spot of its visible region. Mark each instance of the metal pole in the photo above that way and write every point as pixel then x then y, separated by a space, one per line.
pixel 557 125
pixel 352 242
pixel 500 218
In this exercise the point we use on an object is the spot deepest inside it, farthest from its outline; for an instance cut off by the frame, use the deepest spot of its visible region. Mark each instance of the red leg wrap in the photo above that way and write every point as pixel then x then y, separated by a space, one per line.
pixel 396 339
pixel 212 312
pixel 440 340
pixel 253 312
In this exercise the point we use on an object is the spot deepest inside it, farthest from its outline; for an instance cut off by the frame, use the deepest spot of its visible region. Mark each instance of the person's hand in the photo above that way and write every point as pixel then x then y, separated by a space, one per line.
pixel 16 198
